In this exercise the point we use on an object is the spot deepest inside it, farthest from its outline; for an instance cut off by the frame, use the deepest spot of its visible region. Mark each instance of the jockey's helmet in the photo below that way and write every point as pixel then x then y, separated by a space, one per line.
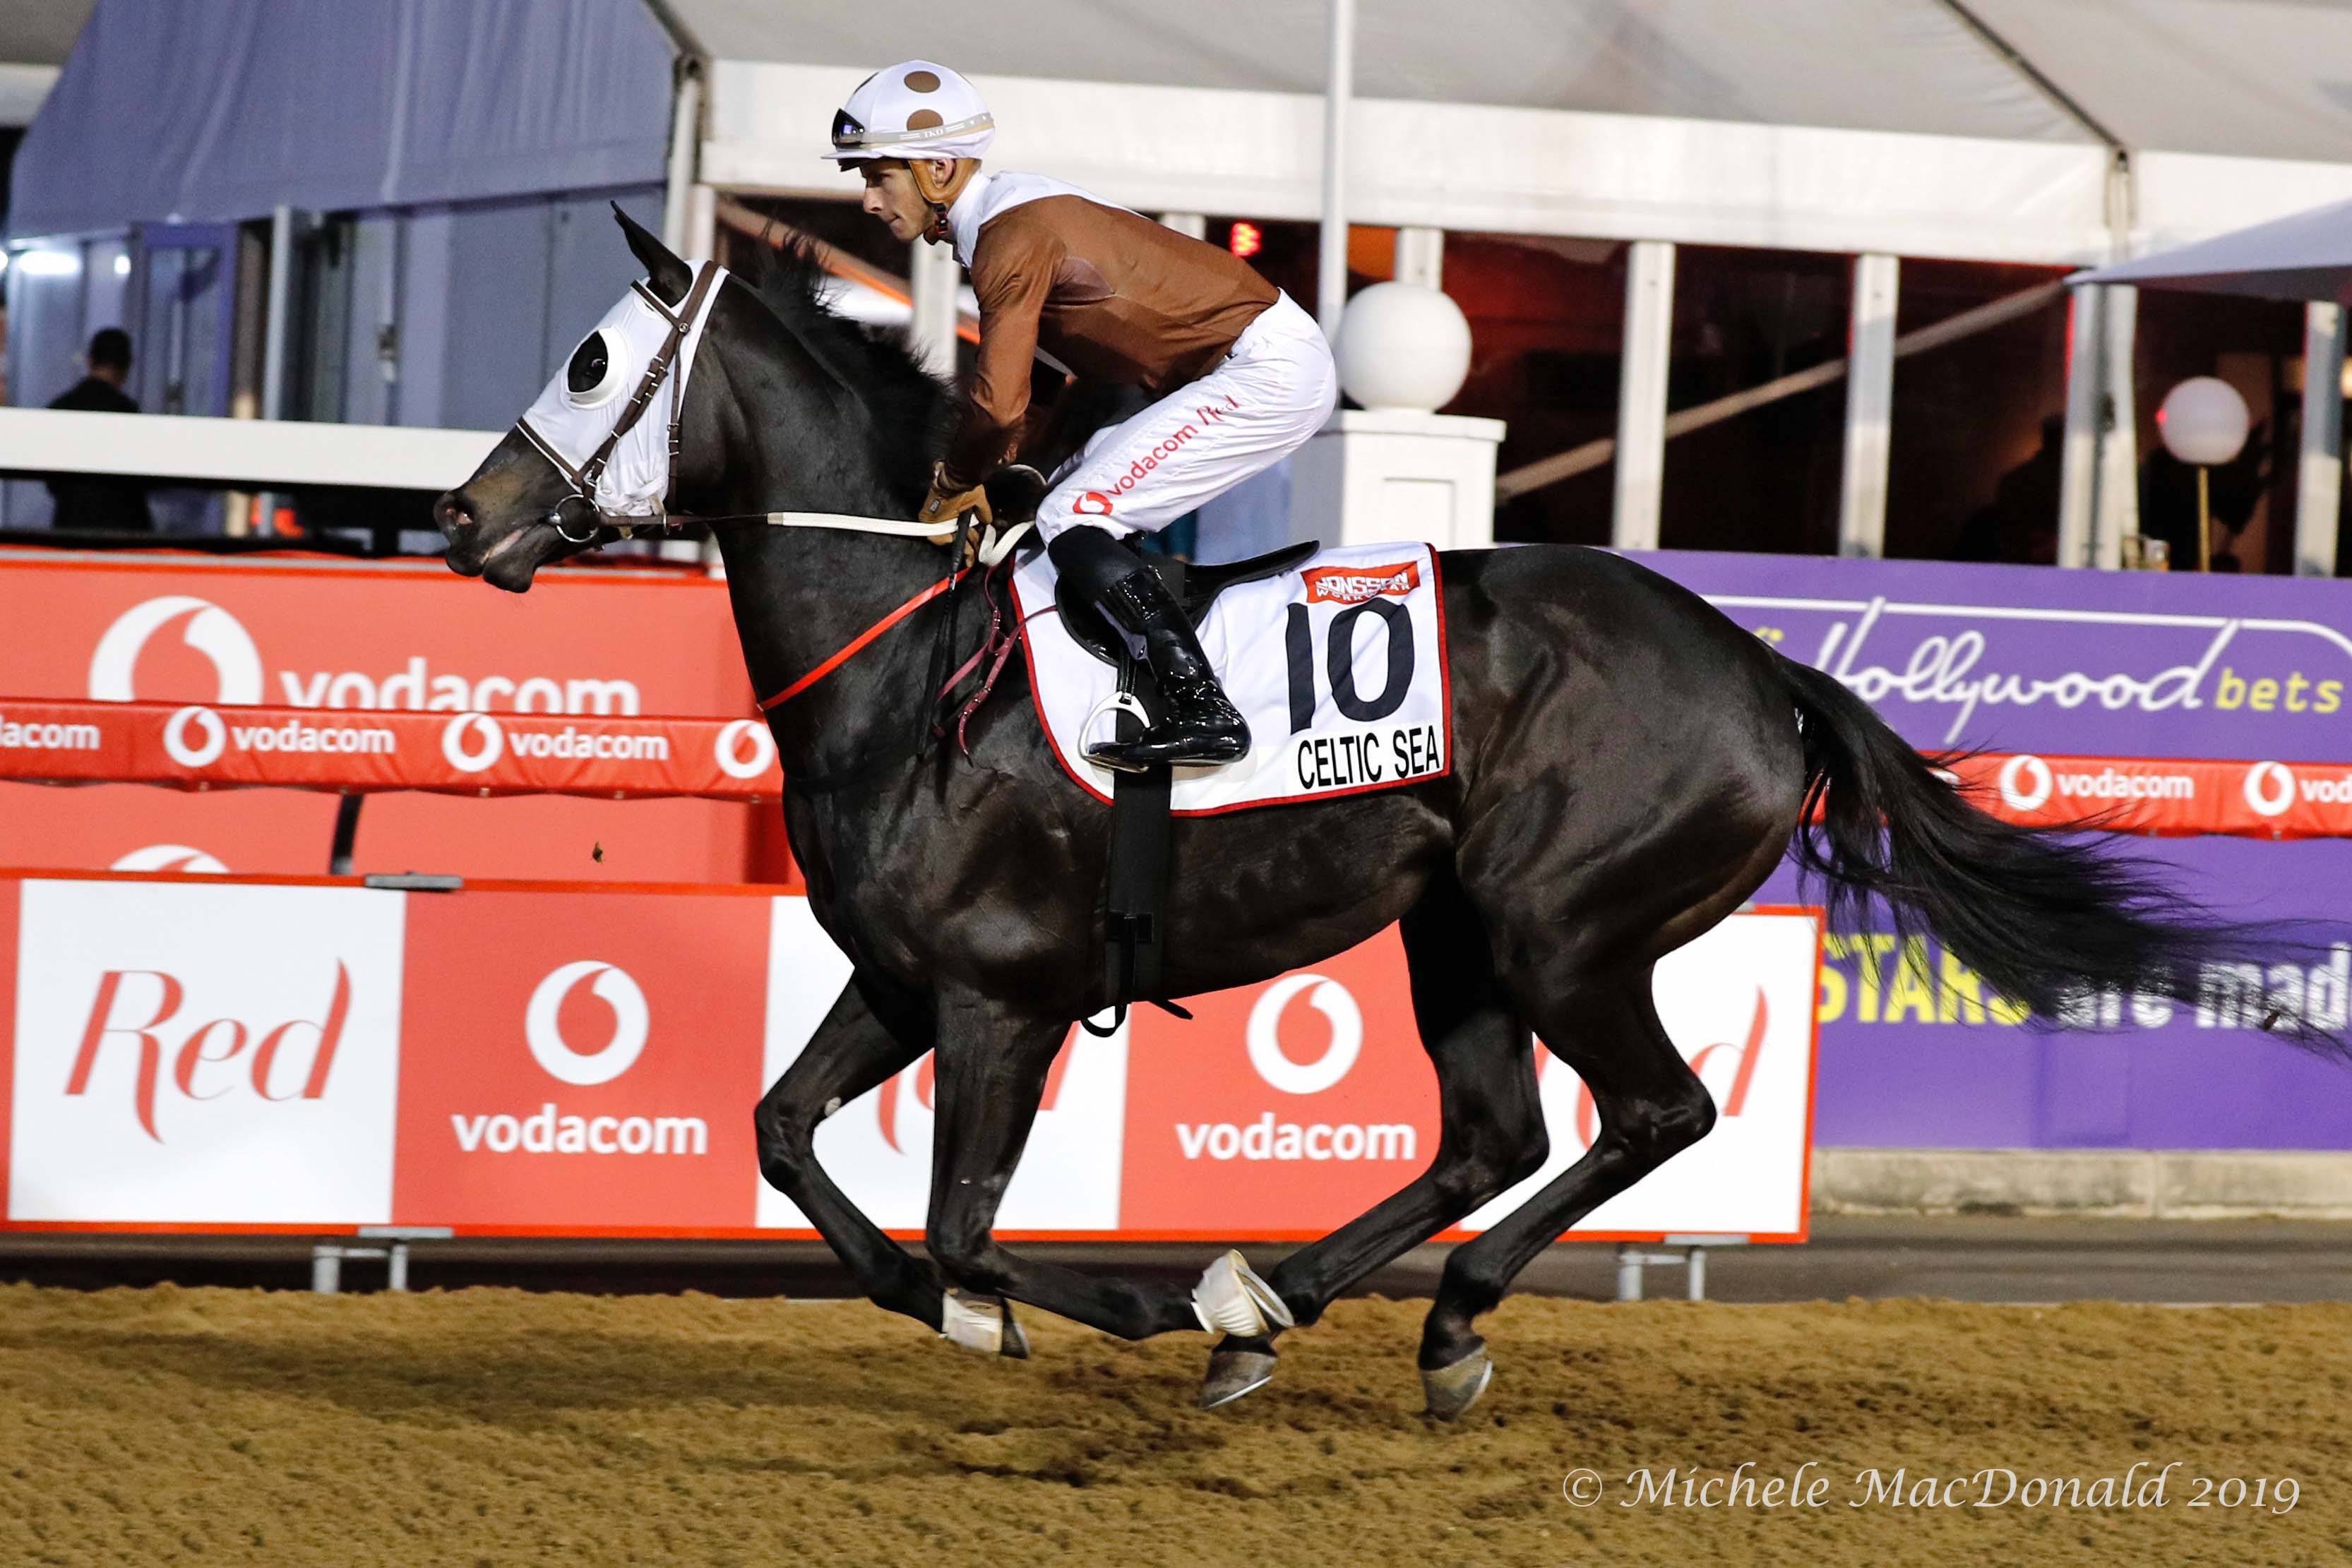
pixel 912 110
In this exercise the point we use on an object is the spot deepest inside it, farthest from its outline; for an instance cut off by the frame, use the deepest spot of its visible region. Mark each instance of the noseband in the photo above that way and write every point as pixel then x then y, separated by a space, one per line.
pixel 582 479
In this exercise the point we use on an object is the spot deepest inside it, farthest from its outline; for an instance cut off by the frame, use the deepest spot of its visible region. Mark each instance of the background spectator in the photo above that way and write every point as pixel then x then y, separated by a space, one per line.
pixel 87 501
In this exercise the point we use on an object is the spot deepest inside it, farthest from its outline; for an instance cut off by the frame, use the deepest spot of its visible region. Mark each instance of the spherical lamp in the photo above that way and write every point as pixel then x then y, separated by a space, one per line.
pixel 1403 347
pixel 2203 421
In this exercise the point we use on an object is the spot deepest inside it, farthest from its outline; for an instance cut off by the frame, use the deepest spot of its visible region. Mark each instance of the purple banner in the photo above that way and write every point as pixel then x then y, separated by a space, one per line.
pixel 2034 659
pixel 1915 1053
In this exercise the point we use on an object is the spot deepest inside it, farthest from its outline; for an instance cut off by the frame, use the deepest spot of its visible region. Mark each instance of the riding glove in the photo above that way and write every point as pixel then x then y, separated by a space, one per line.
pixel 948 507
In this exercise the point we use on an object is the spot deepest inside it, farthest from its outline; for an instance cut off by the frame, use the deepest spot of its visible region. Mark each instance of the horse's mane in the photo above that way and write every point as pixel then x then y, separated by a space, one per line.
pixel 911 407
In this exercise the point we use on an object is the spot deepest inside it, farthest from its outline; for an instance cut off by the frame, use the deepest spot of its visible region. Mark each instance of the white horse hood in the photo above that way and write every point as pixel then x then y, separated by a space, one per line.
pixel 588 399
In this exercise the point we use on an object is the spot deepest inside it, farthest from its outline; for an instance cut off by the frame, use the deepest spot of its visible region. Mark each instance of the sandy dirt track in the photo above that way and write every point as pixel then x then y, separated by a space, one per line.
pixel 495 1427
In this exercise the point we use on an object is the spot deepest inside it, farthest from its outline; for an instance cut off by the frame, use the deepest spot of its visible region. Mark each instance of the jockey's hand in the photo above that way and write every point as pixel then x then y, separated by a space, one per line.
pixel 948 507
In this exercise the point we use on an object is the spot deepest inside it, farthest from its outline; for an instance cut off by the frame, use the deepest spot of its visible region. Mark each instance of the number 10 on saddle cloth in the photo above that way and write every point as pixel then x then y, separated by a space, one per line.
pixel 1338 665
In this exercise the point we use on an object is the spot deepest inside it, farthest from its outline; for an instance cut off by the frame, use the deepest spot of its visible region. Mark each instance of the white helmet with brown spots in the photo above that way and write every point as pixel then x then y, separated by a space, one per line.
pixel 914 109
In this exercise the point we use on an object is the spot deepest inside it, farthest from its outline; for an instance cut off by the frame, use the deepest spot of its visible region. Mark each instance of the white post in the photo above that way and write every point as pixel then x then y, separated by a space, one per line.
pixel 2119 433
pixel 1192 226
pixel 684 145
pixel 2078 482
pixel 1869 406
pixel 932 278
pixel 2319 487
pixel 1339 88
pixel 701 224
pixel 1642 394
pixel 1420 257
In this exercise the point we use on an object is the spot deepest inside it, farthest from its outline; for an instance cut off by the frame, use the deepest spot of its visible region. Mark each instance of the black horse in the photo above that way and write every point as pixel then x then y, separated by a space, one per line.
pixel 1628 766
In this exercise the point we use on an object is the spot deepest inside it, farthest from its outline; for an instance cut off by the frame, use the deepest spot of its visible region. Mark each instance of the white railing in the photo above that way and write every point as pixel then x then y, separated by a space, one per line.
pixel 250 452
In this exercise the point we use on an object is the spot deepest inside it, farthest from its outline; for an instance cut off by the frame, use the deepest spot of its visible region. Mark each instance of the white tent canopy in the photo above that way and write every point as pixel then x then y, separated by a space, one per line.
pixel 1982 129
pixel 2306 257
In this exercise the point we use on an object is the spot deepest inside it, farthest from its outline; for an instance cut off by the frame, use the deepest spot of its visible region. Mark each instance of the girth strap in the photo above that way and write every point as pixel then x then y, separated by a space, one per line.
pixel 1134 901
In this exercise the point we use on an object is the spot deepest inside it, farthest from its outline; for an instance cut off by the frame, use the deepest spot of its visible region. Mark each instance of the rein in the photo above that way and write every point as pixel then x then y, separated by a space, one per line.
pixel 994 652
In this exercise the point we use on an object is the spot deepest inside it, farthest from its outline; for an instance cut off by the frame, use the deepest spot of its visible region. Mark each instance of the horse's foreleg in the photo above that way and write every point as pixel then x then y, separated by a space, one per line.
pixel 989 1075
pixel 851 1051
pixel 1652 1106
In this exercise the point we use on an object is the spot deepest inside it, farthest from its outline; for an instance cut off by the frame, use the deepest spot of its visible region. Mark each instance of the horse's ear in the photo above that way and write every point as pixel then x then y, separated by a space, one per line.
pixel 670 277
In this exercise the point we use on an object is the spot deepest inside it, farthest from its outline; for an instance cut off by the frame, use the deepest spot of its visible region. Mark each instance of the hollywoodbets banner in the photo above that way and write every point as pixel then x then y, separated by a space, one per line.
pixel 527 1059
pixel 2030 659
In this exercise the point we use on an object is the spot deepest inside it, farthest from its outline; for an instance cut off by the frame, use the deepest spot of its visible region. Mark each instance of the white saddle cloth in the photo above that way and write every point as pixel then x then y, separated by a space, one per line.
pixel 1338 665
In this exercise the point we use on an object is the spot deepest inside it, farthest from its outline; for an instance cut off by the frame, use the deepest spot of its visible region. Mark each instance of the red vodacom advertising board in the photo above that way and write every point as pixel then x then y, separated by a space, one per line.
pixel 312 1055
pixel 580 1075
pixel 295 633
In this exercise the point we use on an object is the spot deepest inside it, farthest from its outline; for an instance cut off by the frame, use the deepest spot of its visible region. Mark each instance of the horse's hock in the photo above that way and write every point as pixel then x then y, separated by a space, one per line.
pixel 494 1425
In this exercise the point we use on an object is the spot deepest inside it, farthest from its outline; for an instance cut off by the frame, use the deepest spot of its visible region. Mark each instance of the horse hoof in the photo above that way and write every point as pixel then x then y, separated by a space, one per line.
pixel 1016 1344
pixel 1453 1389
pixel 983 1324
pixel 1233 1372
pixel 1232 1298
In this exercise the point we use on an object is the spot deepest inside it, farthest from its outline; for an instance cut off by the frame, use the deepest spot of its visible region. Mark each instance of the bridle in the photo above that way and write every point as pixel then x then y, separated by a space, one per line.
pixel 583 478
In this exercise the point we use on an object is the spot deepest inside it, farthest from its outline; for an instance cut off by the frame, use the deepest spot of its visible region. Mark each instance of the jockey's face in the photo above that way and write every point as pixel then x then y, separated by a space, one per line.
pixel 892 195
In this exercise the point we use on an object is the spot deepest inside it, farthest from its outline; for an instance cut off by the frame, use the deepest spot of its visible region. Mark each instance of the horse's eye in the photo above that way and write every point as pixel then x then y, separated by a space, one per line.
pixel 592 365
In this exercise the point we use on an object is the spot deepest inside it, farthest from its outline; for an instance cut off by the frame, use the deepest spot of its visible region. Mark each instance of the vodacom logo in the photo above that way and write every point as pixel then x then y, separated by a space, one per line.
pixel 630 1024
pixel 462 754
pixel 1326 997
pixel 211 631
pixel 195 736
pixel 729 750
pixel 2025 782
pixel 2270 787
pixel 169 857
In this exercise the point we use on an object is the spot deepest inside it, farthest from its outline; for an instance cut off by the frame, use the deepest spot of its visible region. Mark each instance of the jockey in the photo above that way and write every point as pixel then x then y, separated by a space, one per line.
pixel 1241 374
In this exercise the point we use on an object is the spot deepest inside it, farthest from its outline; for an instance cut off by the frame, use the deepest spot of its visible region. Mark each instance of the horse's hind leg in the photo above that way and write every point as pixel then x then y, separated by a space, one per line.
pixel 1652 1106
pixel 1491 1133
pixel 851 1051
pixel 991 1070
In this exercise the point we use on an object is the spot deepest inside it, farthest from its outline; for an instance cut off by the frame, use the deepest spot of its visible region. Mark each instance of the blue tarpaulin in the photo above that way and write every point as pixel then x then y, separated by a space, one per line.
pixel 223 111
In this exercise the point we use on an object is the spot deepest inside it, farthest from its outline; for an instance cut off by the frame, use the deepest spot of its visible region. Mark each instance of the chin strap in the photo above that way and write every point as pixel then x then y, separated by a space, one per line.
pixel 941 194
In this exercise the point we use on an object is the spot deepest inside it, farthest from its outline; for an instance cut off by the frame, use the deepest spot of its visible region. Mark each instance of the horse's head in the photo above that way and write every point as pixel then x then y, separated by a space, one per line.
pixel 592 455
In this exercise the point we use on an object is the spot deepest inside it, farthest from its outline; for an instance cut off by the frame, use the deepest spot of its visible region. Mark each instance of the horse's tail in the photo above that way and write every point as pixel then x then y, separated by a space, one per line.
pixel 2044 916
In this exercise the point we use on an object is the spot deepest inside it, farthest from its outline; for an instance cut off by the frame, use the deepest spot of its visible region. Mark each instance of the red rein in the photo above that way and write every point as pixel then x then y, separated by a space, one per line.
pixel 999 642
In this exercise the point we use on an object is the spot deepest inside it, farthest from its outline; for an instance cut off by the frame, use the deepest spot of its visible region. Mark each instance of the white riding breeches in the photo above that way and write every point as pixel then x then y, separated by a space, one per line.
pixel 1275 388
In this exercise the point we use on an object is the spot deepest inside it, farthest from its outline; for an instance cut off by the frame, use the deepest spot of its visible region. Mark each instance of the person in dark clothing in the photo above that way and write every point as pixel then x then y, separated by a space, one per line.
pixel 93 501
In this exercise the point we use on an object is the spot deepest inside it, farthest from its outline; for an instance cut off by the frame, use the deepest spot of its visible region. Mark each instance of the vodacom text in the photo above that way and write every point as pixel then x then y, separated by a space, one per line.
pixel 237 666
pixel 139 1010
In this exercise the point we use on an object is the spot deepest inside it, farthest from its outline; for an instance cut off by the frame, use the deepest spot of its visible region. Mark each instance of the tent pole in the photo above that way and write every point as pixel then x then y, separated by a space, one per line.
pixel 2319 486
pixel 1869 406
pixel 1339 92
pixel 684 146
pixel 1642 370
pixel 2078 484
pixel 932 278
pixel 2118 427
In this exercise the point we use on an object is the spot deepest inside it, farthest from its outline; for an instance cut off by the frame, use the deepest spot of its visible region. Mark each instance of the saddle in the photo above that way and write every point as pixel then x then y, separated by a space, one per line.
pixel 1136 885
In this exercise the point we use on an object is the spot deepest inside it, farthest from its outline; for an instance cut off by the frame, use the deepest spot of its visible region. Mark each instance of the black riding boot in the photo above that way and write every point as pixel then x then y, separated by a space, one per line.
pixel 1197 723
